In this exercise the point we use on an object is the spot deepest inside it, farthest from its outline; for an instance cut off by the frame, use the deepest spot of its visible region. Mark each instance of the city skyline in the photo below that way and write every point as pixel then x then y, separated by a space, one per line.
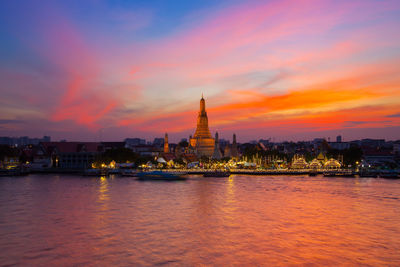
pixel 287 70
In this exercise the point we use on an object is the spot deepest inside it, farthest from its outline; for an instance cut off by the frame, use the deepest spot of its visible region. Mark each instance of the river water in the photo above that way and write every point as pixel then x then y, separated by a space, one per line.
pixel 61 220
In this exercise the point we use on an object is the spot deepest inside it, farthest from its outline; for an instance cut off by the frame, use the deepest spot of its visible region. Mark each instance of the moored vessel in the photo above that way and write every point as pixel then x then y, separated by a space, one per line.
pixel 389 175
pixel 95 172
pixel 339 174
pixel 161 176
pixel 128 173
pixel 217 174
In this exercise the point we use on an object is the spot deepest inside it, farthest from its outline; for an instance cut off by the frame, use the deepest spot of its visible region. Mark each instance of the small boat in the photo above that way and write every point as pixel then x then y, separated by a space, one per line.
pixel 217 174
pixel 389 175
pixel 312 173
pixel 339 174
pixel 368 174
pixel 161 176
pixel 93 172
pixel 128 173
pixel 13 172
pixel 114 171
pixel 329 174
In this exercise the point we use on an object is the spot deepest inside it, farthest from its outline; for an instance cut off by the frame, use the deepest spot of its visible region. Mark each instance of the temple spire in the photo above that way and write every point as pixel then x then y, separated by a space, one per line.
pixel 202 106
pixel 202 140
pixel 166 146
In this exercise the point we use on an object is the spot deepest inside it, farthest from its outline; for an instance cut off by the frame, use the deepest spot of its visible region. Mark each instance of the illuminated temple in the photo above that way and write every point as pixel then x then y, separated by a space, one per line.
pixel 202 142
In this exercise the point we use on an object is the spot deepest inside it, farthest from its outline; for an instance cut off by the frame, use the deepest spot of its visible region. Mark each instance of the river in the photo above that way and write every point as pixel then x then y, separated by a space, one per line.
pixel 63 220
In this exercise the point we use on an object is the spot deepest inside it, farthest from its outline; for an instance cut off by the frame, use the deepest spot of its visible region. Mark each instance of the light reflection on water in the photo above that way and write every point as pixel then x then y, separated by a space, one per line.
pixel 244 220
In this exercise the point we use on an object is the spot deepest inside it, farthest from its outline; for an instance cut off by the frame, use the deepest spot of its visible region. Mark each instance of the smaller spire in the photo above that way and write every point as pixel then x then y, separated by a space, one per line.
pixel 202 97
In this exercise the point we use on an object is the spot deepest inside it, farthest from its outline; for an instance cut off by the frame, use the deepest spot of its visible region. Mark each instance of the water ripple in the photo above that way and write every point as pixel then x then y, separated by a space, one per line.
pixel 243 220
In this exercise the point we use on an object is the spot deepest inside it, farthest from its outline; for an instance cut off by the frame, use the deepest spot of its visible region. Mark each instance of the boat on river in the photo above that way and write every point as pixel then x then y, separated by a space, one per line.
pixel 339 173
pixel 217 173
pixel 313 173
pixel 95 172
pixel 128 173
pixel 368 174
pixel 389 175
pixel 161 176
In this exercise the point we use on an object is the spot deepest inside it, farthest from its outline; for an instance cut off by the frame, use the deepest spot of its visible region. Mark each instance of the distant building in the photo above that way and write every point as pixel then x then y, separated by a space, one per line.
pixel 339 145
pixel 372 143
pixel 396 149
pixel 378 157
pixel 113 145
pixel 23 140
pixel 72 155
pixel 159 142
pixel 338 138
pixel 131 142
pixel 147 150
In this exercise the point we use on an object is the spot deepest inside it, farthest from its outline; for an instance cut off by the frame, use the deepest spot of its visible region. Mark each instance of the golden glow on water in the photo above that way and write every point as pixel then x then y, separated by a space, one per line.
pixel 103 189
pixel 240 220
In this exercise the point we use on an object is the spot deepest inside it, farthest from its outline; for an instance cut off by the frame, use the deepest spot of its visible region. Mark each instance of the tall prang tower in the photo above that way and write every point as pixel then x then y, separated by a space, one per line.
pixel 166 145
pixel 202 140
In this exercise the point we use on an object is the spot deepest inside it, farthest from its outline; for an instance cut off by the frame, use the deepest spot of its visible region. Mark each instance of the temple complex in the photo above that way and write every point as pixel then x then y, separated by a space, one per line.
pixel 202 141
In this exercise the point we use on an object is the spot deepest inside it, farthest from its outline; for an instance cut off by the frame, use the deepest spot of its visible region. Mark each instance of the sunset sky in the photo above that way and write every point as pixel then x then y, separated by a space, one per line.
pixel 286 70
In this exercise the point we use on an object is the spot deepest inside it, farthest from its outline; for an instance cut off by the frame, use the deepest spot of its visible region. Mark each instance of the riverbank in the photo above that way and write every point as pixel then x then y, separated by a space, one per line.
pixel 311 172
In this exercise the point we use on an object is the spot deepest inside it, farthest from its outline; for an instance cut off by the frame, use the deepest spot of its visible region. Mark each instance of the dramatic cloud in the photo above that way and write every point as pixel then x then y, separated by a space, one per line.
pixel 397 115
pixel 265 67
pixel 10 121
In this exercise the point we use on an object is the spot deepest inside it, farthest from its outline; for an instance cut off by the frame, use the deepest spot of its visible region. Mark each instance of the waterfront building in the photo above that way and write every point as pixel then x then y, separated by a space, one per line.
pixel 378 157
pixel 299 162
pixel 217 152
pixel 202 140
pixel 332 164
pixel 72 155
pixel 9 162
pixel 321 158
pixel 315 164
